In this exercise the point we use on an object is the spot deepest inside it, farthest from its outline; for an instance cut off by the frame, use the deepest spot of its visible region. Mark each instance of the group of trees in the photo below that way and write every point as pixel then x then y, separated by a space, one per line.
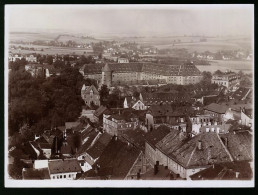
pixel 37 103
pixel 110 100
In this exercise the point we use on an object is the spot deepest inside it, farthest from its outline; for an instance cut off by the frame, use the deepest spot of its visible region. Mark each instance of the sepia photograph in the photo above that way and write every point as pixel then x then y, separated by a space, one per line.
pixel 129 95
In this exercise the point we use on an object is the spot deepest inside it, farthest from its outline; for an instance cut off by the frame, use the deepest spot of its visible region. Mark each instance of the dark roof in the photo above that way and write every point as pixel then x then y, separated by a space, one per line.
pixel 239 145
pixel 135 137
pixel 221 109
pixel 64 166
pixel 35 174
pixel 87 141
pixel 156 135
pixel 116 160
pixel 70 125
pixel 167 110
pixel 225 171
pixel 100 111
pixel 45 146
pixel 96 150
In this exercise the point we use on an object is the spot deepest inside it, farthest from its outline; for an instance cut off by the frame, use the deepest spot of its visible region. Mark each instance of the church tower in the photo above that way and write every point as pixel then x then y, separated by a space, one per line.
pixel 106 76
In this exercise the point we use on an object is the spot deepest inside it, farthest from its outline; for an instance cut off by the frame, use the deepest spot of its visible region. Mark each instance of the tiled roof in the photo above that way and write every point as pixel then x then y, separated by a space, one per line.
pixel 35 174
pixel 239 145
pixel 156 135
pixel 100 111
pixel 96 150
pixel 64 166
pixel 159 97
pixel 116 160
pixel 216 108
pixel 136 137
pixel 225 171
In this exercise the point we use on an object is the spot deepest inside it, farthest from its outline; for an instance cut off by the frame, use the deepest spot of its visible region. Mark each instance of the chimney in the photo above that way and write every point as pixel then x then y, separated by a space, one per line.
pixel 138 175
pixel 213 166
pixel 237 174
pixel 199 144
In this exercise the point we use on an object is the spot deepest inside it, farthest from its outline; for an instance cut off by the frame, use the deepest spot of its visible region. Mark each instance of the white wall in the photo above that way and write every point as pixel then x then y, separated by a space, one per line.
pixel 39 164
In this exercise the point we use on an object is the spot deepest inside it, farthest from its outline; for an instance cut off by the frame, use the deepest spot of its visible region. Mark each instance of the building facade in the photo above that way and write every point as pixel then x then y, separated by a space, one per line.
pixel 115 73
pixel 90 95
pixel 227 79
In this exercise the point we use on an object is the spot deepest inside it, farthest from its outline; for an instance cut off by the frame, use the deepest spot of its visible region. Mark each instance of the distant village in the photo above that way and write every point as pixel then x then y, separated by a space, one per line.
pixel 170 125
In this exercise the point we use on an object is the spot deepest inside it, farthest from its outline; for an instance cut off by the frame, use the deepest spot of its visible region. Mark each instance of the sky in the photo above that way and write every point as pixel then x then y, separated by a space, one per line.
pixel 209 20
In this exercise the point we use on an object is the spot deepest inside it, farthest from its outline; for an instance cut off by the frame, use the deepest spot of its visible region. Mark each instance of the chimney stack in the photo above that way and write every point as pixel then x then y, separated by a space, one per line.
pixel 199 144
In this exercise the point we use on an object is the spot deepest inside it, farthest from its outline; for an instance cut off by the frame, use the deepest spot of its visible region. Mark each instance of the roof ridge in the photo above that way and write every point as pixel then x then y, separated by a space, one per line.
pixel 225 148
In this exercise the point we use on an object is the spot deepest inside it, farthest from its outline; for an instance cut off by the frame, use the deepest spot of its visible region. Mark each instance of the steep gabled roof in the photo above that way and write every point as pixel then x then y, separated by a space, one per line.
pixel 96 150
pixel 88 89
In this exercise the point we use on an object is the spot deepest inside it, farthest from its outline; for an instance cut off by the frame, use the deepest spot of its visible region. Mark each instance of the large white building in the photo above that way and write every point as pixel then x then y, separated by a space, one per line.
pixel 116 73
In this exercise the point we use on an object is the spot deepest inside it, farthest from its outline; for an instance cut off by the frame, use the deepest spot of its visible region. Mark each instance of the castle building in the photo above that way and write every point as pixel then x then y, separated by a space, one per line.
pixel 115 73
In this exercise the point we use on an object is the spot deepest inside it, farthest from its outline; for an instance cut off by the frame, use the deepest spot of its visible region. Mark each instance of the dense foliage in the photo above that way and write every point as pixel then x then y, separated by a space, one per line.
pixel 37 103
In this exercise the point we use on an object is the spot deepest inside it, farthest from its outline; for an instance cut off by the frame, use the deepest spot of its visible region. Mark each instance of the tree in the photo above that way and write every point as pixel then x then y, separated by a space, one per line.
pixel 104 92
pixel 218 72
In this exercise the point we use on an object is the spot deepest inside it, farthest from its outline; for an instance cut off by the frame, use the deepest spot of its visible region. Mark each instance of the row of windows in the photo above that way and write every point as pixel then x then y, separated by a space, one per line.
pixel 62 176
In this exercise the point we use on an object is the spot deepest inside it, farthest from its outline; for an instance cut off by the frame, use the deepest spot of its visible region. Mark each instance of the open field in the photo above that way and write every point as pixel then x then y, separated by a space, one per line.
pixel 53 51
pixel 223 65
pixel 30 37
pixel 77 39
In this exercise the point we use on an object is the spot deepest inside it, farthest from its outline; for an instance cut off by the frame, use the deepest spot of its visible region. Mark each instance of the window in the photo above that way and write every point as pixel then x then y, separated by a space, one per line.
pixel 64 176
pixel 54 177
pixel 69 175
pixel 61 176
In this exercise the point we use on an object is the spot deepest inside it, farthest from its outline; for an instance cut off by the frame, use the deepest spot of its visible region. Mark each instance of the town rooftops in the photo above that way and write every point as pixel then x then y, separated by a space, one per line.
pixel 135 137
pixel 241 93
pixel 239 144
pixel 162 174
pixel 35 174
pixel 213 107
pixel 100 111
pixel 156 135
pixel 96 150
pixel 64 166
pixel 165 110
pixel 225 171
pixel 210 150
pixel 116 160
pixel 166 70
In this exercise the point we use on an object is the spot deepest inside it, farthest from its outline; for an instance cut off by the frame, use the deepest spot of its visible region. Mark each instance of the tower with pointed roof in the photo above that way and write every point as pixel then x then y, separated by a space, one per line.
pixel 106 76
